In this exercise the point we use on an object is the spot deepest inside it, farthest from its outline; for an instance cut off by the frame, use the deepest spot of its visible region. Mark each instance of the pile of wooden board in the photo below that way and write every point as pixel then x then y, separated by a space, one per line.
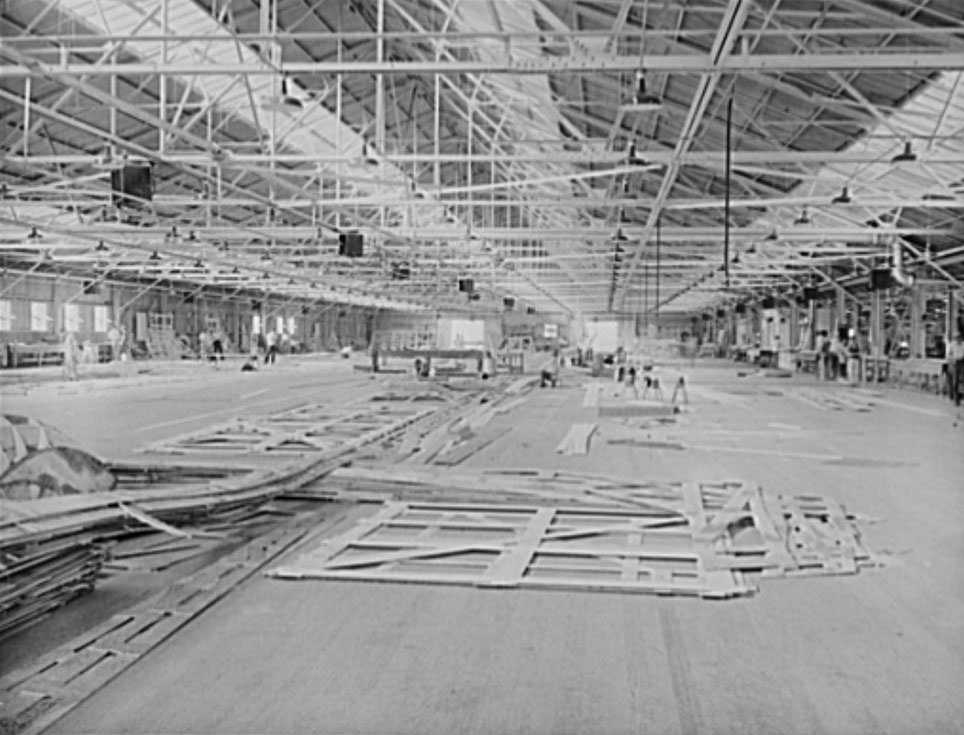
pixel 38 577
pixel 52 548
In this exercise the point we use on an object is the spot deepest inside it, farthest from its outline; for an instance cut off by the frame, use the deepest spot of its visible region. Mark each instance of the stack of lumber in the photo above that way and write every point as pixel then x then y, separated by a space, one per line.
pixel 52 548
pixel 462 431
pixel 38 577
pixel 164 344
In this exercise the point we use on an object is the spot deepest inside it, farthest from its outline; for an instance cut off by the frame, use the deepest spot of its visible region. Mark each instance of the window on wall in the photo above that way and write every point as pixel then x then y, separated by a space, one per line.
pixel 255 324
pixel 292 325
pixel 6 316
pixel 39 319
pixel 100 319
pixel 279 324
pixel 161 321
pixel 71 317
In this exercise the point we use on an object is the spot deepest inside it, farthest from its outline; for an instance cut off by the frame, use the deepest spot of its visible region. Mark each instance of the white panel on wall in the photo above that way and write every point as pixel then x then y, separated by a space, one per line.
pixel 462 333
pixel 100 318
pixel 292 325
pixel 255 324
pixel 6 316
pixel 279 324
pixel 39 320
pixel 602 336
pixel 71 317
pixel 140 326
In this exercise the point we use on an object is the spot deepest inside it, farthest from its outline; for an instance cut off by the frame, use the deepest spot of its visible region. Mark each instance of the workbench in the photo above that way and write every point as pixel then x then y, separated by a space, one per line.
pixel 34 355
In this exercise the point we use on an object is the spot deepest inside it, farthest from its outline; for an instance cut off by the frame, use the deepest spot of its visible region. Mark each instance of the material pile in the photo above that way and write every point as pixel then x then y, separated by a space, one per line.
pixel 38 577
pixel 53 548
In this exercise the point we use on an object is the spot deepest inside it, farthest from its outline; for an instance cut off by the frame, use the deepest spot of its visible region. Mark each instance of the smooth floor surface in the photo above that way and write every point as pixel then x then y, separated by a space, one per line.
pixel 879 652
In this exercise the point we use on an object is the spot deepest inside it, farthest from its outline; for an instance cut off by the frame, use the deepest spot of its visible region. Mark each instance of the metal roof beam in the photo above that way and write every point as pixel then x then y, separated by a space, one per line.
pixel 880 60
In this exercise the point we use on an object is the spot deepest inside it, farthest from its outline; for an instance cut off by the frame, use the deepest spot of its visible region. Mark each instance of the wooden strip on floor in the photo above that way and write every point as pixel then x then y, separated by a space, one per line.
pixel 577 440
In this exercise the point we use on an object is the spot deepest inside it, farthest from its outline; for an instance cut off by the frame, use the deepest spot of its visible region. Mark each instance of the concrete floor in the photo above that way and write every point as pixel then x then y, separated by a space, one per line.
pixel 116 417
pixel 880 652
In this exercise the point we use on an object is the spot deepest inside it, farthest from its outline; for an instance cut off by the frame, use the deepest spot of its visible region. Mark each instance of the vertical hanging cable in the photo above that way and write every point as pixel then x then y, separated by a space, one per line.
pixel 726 205
pixel 659 238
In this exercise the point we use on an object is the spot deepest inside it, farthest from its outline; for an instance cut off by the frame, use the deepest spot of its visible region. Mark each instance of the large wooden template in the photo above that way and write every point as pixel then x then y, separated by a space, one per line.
pixel 710 540
pixel 520 546
pixel 304 430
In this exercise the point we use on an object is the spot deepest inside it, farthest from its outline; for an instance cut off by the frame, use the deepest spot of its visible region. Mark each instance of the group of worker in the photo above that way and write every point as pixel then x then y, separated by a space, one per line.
pixel 838 358
pixel 632 375
pixel 76 353
pixel 211 345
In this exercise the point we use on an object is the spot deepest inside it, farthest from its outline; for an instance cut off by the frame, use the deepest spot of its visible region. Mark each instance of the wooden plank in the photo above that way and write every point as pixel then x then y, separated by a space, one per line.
pixel 477 443
pixel 509 568
pixel 577 440
pixel 632 409
pixel 132 511
pixel 693 505
pixel 733 511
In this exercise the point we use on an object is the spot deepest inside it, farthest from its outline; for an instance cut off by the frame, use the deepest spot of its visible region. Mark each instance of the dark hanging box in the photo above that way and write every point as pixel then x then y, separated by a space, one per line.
pixel 351 244
pixel 132 186
pixel 880 279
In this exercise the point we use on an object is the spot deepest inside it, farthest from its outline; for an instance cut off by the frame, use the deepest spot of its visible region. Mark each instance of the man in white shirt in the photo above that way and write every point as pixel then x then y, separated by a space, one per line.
pixel 271 339
pixel 955 374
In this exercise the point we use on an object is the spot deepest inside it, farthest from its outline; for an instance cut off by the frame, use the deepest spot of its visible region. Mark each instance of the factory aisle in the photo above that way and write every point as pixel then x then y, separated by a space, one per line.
pixel 880 651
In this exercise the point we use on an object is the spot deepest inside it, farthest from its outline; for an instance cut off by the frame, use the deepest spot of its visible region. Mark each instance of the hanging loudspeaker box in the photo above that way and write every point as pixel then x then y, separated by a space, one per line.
pixel 131 186
pixel 880 279
pixel 351 244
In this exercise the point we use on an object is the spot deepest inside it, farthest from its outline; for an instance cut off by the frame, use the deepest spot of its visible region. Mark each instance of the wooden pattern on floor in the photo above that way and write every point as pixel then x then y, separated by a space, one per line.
pixel 303 430
pixel 687 539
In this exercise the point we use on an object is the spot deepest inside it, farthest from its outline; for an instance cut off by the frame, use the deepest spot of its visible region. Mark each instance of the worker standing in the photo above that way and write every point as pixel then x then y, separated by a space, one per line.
pixel 116 339
pixel 853 359
pixel 632 379
pixel 203 345
pixel 69 344
pixel 217 345
pixel 271 341
pixel 955 364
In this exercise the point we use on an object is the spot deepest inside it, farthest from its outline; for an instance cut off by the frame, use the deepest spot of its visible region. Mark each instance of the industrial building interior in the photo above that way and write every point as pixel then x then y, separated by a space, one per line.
pixel 481 366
